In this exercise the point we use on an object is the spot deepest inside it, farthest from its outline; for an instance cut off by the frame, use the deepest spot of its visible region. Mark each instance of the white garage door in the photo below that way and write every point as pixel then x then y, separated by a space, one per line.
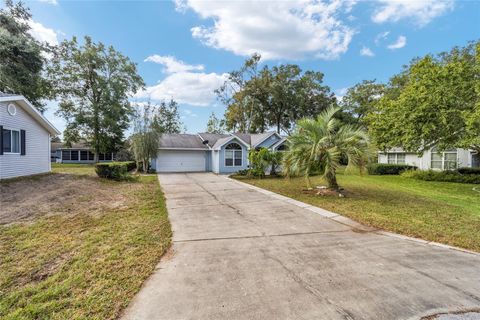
pixel 180 161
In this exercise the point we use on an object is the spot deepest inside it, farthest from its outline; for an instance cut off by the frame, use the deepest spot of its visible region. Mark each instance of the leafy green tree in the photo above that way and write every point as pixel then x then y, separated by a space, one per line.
pixel 434 101
pixel 361 99
pixel 144 140
pixel 166 118
pixel 93 83
pixel 257 99
pixel 274 160
pixel 21 60
pixel 318 145
pixel 215 125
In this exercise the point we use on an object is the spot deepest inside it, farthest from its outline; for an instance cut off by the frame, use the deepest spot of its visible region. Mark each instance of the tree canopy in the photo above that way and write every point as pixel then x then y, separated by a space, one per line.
pixel 21 59
pixel 93 83
pixel 258 99
pixel 166 118
pixel 215 125
pixel 434 101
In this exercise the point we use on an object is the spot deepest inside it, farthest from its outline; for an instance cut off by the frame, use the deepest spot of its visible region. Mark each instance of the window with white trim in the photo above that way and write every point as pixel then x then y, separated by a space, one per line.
pixel 396 158
pixel 233 155
pixel 11 141
pixel 446 160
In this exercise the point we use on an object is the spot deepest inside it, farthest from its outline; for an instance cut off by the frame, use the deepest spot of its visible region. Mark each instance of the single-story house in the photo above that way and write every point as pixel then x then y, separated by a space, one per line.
pixel 432 159
pixel 77 153
pixel 210 152
pixel 24 139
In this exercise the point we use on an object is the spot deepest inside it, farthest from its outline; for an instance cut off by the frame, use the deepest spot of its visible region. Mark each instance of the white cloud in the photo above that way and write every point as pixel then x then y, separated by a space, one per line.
pixel 172 65
pixel 275 29
pixel 194 88
pixel 421 12
pixel 190 113
pixel 366 52
pixel 42 33
pixel 400 43
pixel 54 2
pixel 381 36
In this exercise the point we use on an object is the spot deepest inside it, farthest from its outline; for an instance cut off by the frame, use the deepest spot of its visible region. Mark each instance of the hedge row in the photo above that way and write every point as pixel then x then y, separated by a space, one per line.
pixel 383 168
pixel 443 176
pixel 114 170
pixel 467 170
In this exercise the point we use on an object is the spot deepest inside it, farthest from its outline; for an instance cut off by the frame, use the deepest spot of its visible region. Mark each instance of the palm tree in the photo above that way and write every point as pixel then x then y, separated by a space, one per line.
pixel 317 146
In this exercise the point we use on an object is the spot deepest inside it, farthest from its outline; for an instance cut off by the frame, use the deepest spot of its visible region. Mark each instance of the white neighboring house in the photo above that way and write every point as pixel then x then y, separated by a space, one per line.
pixel 24 139
pixel 432 159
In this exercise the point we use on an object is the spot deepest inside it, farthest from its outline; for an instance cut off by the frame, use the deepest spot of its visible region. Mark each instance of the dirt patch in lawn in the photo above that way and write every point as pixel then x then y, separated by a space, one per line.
pixel 58 194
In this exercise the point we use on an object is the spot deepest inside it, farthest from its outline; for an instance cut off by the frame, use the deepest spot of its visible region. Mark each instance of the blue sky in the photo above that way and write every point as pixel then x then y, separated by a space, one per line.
pixel 183 49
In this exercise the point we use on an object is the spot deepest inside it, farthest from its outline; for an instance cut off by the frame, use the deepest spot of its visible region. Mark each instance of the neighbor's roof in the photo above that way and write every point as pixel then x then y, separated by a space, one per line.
pixel 31 110
pixel 61 145
pixel 181 141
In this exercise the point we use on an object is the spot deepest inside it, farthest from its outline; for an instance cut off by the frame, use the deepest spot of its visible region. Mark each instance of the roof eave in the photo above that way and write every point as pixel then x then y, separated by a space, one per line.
pixel 32 111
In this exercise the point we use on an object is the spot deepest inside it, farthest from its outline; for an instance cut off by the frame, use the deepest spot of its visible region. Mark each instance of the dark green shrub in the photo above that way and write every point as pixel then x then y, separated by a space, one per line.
pixel 242 172
pixel 467 170
pixel 383 168
pixel 443 176
pixel 256 172
pixel 114 170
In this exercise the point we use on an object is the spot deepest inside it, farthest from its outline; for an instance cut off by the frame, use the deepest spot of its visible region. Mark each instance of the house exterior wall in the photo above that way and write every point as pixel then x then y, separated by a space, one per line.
pixel 215 161
pixel 37 152
pixel 423 162
pixel 270 141
pixel 221 162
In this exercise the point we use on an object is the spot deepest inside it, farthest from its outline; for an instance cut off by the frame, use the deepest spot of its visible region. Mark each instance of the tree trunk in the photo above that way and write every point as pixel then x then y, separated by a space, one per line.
pixel 307 178
pixel 331 178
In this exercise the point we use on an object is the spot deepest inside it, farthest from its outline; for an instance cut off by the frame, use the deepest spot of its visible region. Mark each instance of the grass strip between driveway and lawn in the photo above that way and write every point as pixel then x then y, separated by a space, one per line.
pixel 443 212
pixel 84 264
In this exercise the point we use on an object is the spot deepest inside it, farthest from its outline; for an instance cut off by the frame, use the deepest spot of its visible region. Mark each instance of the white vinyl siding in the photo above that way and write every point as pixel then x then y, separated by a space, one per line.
pixel 37 143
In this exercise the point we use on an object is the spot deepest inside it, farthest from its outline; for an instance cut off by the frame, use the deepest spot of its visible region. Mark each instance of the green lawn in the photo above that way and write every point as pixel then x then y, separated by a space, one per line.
pixel 86 264
pixel 73 168
pixel 436 211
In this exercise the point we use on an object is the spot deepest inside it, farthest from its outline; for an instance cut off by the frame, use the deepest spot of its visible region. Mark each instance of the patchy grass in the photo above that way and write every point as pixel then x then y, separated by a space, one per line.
pixel 79 265
pixel 437 211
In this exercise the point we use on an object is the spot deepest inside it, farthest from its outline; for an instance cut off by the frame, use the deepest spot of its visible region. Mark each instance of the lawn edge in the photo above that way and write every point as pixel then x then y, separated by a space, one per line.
pixel 347 221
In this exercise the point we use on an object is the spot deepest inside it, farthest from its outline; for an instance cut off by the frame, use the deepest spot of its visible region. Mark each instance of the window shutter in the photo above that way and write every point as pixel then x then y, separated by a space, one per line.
pixel 1 140
pixel 22 143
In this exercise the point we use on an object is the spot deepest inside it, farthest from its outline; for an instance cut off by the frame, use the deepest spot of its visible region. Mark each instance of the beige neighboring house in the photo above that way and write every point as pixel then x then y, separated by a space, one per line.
pixel 24 139
pixel 432 159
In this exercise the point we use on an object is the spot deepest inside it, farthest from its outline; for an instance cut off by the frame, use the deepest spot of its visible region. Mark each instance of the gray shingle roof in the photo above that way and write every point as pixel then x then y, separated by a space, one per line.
pixel 212 137
pixel 259 137
pixel 194 141
pixel 178 140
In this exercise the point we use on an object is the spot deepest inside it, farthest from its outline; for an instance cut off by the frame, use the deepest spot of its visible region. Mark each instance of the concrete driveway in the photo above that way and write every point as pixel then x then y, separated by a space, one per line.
pixel 242 254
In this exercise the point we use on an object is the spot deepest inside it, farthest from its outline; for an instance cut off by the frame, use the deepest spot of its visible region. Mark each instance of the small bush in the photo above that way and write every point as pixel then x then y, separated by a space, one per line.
pixel 114 170
pixel 243 172
pixel 383 168
pixel 443 176
pixel 467 170
pixel 256 172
